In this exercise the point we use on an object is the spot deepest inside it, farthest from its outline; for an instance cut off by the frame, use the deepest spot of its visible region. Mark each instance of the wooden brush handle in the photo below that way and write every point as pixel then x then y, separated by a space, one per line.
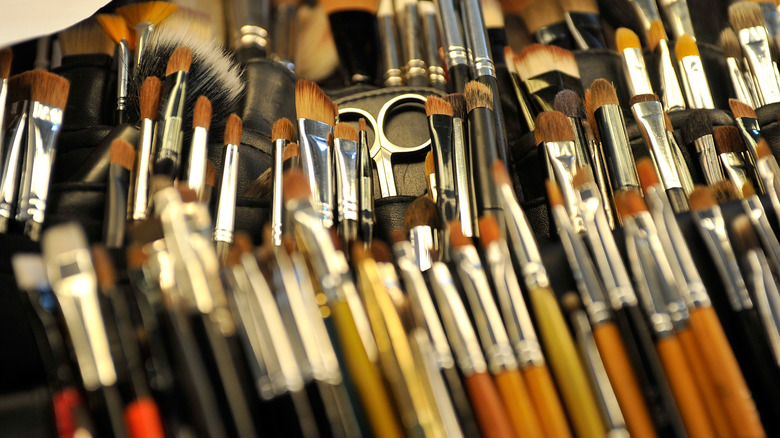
pixel 518 404
pixel 548 404
pixel 488 408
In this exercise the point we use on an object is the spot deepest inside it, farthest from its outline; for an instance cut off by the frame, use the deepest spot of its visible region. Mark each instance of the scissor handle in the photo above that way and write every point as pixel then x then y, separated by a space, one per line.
pixel 385 142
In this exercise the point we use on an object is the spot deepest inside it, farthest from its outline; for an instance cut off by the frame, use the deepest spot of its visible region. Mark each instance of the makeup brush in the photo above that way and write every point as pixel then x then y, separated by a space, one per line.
pixel 198 155
pixel 116 28
pixel 142 18
pixel 747 122
pixel 731 149
pixel 84 38
pixel 747 20
pixel 139 200
pixel 464 190
pixel 520 94
pixel 345 152
pixel 354 29
pixel 545 71
pixel 365 185
pixel 547 23
pixel 430 175
pixel 769 172
pixel 18 102
pixel 697 130
pixel 697 89
pixel 421 222
pixel 211 182
pixel 6 56
pixel 440 126
pixel 282 133
pixel 388 37
pixel 671 94
pixel 453 46
pixel 226 205
pixel 432 43
pixel 584 23
pixel 630 50
pixel 122 160
pixel 741 80
pixel 167 157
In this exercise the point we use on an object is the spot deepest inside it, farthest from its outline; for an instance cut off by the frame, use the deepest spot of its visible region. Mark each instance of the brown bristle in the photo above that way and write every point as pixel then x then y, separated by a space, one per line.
pixel 359 253
pixel 233 130
pixel 336 111
pixel 149 98
pixel 500 175
pixel 625 38
pixel 295 185
pixel 514 7
pixel 509 55
pixel 643 98
pixel 587 6
pixel 655 34
pixel 144 232
pixel 635 201
pixel 19 86
pixel 49 89
pixel 745 236
pixel 554 195
pixel 570 302
pixel 728 139
pixel 730 44
pixel 701 198
pixel 312 103
pixel 331 6
pixel 743 15
pixel 261 187
pixel 581 176
pixel 211 174
pixel 146 12
pixel 116 27
pixel 741 109
pixel 243 242
pixel 362 124
pixel 725 191
pixel 603 93
pixel 136 256
pixel 478 95
pixel 686 46
pixel 180 60
pixel 430 168
pixel 436 105
pixel 233 256
pixel 201 115
pixel 422 211
pixel 458 103
pixel 345 131
pixel 668 122
pixel 85 38
pixel 489 230
pixel 622 205
pixel 541 13
pixel 398 236
pixel 290 151
pixel 187 194
pixel 590 113
pixel 748 190
pixel 569 103
pixel 762 149
pixel 553 126
pixel 122 153
pixel 104 268
pixel 381 252
pixel 284 129
pixel 6 56
pixel 457 238
pixel 537 59
pixel 648 177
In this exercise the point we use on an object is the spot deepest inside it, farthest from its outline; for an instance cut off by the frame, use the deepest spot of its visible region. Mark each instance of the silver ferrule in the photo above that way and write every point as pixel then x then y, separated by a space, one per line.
pixel 736 169
pixel 708 159
pixel 755 47
pixel 277 200
pixel 476 35
pixel 196 174
pixel 602 177
pixel 678 17
pixel 751 133
pixel 346 153
pixel 390 53
pixel 143 31
pixel 453 42
pixel 432 44
pixel 249 22
pixel 671 94
pixel 755 211
pixel 318 166
pixel 411 40
pixel 226 206
pixel 741 90
pixel 122 74
pixel 697 89
pixel 43 128
pixel 650 118
pixel 519 327
pixel 463 339
pixel 585 276
pixel 605 251
pixel 617 149
pixel 562 158
pixel 636 72
pixel 712 228
pixel 679 161
pixel 769 172
pixel 765 290
pixel 13 154
pixel 751 82
pixel 139 201
pixel 647 11
pixel 462 187
pixel 169 126
pixel 421 238
pixel 3 98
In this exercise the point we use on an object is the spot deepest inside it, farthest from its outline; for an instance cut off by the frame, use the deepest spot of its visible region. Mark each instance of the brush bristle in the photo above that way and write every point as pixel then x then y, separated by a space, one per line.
pixel 422 211
pixel 345 131
pixel 312 103
pixel 537 59
pixel 553 126
pixel 702 198
pixel 201 115
pixel 457 238
pixel 458 103
pixel 478 95
pixel 430 167
pixel 284 129
pixel 728 139
pixel 122 153
pixel 104 268
pixel 435 105
pixel 569 103
pixel 730 44
pixel 489 230
pixel 762 149
pixel 668 122
pixel 150 98
pixel 643 98
pixel 136 256
pixel 49 89
pixel 290 151
pixel 398 236
pixel 570 302
pixel 514 7
pixel 362 124
pixel 745 236
pixel 603 93
pixel 648 176
pixel 233 130
pixel 146 12
pixel 491 13
pixel 86 37
pixel 587 6
pixel 260 188
pixel 622 205
pixel 748 190
pixel 697 125
pixel 635 201
pixel 196 23
pixel 625 38
pixel 743 15
pixel 741 109
pixel 180 60
pixel 295 186
pixel 725 191
pixel 359 253
pixel 116 27
pixel 500 175
pixel 581 177
pixel 554 195
pixel 590 113
pixel 211 174
pixel 187 194
pixel 655 34
pixel 541 13
pixel 6 57
pixel 332 6
pixel 381 252
pixel 686 46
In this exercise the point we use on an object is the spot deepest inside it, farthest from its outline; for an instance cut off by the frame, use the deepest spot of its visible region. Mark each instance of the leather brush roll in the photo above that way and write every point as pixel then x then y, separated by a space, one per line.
pixel 92 82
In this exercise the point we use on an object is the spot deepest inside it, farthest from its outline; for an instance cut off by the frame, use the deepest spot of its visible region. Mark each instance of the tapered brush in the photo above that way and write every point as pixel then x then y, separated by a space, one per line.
pixel 747 122
pixel 142 18
pixel 742 81
pixel 149 101
pixel 697 89
pixel 697 131
pixel 345 152
pixel 198 154
pixel 547 23
pixel 442 162
pixel 464 189
pixel 224 222
pixel 731 149
pixel 671 94
pixel 355 32
pixel 747 20
pixel 282 133
pixel 545 71
pixel 630 49
pixel 122 160
pixel 421 223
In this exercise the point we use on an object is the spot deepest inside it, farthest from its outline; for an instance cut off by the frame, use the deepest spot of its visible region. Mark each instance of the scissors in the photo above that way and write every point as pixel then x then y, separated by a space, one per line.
pixel 383 149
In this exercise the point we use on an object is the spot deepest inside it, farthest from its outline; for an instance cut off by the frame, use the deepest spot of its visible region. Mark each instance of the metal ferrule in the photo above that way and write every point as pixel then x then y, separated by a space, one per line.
pixel 697 89
pixel 647 11
pixel 650 280
pixel 677 17
pixel 770 175
pixel 755 211
pixel 462 178
pixel 253 37
pixel 365 188
pixel 346 154
pixel 248 21
pixel 122 74
pixel 671 95
pixel 495 341
pixel 421 238
pixel 755 47
pixel 143 31
pixel 476 35
pixel 605 251
pixel 169 126
pixel 11 168
pixel 636 72
pixel 3 98
pixel 650 118
pixel 682 166
pixel 602 178
pixel 410 39
pixel 226 206
pixel 318 166
pixel 736 169
pixel 432 44
pixel 741 90
pixel 277 200
pixel 390 53
pixel 562 157
pixel 751 133
pixel 196 174
pixel 764 289
pixel 139 201
pixel 708 159
pixel 617 149
pixel 519 327
pixel 453 42
pixel 585 276
pixel 460 332
pixel 440 128
pixel 712 228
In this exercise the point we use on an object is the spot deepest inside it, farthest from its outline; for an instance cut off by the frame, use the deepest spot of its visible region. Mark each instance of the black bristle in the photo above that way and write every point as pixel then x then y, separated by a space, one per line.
pixel 569 103
pixel 697 125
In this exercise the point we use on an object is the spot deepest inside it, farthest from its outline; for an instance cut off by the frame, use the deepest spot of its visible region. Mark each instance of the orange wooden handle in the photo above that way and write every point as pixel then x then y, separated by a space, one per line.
pixel 518 404
pixel 548 404
pixel 727 377
pixel 489 410
pixel 143 419
pixel 681 381
pixel 621 375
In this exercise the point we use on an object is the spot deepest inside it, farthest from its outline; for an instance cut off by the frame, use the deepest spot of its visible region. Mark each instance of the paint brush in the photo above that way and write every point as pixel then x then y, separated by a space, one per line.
pixel 678 17
pixel 454 46
pixel 520 94
pixel 168 143
pixel 545 71
pixel 431 43
pixel 747 122
pixel 769 172
pixel 741 79
pixel 634 69
pixel 282 133
pixel 149 98
pixel 546 22
pixel 16 119
pixel 697 89
pixel 671 94
pixel 731 149
pixel 697 130
pixel 388 37
pixel 747 20
pixel 198 154
pixel 355 32
pixel 122 160
pixel 345 151
pixel 116 28
pixel 440 126
pixel 224 222
pixel 365 185
pixel 142 18
pixel 6 56
pixel 462 171
pixel 421 223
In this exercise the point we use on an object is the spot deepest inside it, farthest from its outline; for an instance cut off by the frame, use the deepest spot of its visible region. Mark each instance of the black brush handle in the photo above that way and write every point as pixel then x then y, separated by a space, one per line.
pixel 356 34
pixel 459 75
pixel 498 117
pixel 482 149
pixel 114 219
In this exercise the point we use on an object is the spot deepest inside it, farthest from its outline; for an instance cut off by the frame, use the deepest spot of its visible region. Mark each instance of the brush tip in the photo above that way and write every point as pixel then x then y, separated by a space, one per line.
pixel 702 198
pixel 422 211
pixel 458 103
pixel 730 44
pixel 345 131
pixel 115 26
pixel 180 60
pixel 686 46
pixel 626 38
pixel 745 236
pixel 436 105
pixel 748 190
pixel 312 103
pixel 643 98
pixel 430 168
pixel 49 89
pixel 381 252
pixel 489 231
pixel 201 115
pixel 568 102
pixel 553 126
pixel 295 186
pixel 122 153
pixel 283 129
pixel 457 238
pixel 537 59
pixel 741 109
pixel 211 174
pixel 478 95
pixel 728 139
pixel 149 98
pixel 233 130
pixel 500 174
pixel 362 124
pixel 762 149
pixel 656 33
pixel 603 93
pixel 554 195
pixel 146 12
pixel 697 125
pixel 104 268
pixel 745 14
pixel 291 150
pixel 648 177
pixel 570 302
pixel 581 177
pixel 6 57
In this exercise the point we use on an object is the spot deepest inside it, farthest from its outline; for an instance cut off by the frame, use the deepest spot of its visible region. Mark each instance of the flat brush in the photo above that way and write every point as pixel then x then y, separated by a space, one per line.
pixel 747 20
pixel 345 152
pixel 697 130
pixel 741 80
pixel 545 71
pixel 16 118
pixel 747 122
pixel 282 133
pixel 365 185
pixel 198 154
pixel 441 129
pixel 117 30
pixel 421 223
pixel 671 94
pixel 731 148
pixel 460 155
pixel 546 22
pixel 167 157
pixel 354 29
pixel 142 18
pixel 224 222
pixel 388 37
pixel 149 98
pixel 520 94
pixel 697 89
pixel 122 160
pixel 584 23
pixel 630 50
